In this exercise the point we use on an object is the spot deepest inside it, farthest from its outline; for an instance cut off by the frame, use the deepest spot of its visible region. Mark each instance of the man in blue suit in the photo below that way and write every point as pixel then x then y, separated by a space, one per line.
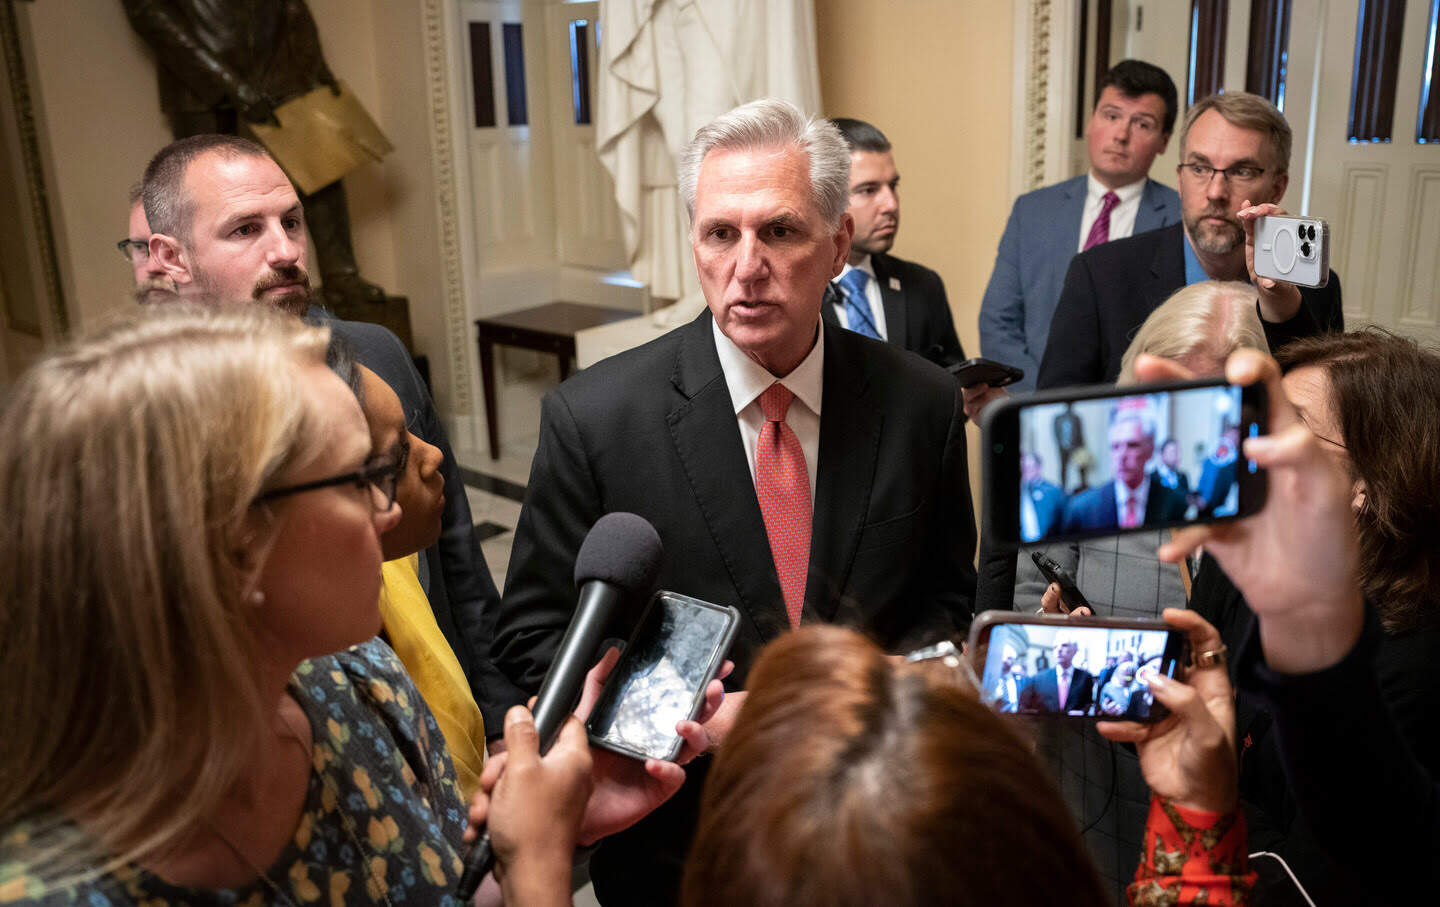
pixel 1135 497
pixel 1131 124
pixel 1041 501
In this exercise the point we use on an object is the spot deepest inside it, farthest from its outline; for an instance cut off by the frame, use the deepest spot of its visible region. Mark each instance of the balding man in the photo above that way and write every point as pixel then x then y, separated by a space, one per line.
pixel 228 226
pixel 795 469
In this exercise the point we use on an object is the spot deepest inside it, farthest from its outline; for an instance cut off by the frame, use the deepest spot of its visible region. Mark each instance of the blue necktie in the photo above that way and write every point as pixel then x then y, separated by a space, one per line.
pixel 857 307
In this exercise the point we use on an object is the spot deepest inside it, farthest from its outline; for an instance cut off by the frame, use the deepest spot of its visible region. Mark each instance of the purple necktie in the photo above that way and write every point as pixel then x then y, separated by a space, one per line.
pixel 1100 231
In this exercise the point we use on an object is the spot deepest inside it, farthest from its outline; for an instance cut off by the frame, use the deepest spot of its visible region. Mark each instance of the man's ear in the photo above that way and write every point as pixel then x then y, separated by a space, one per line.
pixel 843 235
pixel 167 252
pixel 1281 182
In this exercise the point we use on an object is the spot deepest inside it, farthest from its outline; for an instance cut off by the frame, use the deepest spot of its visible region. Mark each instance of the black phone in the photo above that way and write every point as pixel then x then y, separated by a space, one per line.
pixel 1089 668
pixel 1083 462
pixel 660 679
pixel 985 371
pixel 1070 595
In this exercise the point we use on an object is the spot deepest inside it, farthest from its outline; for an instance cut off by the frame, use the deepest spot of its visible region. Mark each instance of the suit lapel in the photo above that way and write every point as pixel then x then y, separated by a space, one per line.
pixel 827 307
pixel 1071 212
pixel 1167 268
pixel 850 425
pixel 1152 208
pixel 897 323
pixel 707 440
pixel 1109 508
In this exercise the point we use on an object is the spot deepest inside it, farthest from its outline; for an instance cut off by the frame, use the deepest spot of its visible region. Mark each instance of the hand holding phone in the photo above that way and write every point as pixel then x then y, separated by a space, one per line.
pixel 1073 667
pixel 660 679
pixel 1189 758
pixel 1084 462
pixel 1070 595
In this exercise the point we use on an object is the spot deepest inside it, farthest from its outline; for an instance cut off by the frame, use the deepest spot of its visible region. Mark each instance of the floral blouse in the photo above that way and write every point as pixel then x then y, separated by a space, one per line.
pixel 1192 857
pixel 380 778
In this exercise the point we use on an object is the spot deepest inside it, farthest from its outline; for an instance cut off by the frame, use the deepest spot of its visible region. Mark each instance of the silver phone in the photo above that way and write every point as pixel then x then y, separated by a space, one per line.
pixel 1293 249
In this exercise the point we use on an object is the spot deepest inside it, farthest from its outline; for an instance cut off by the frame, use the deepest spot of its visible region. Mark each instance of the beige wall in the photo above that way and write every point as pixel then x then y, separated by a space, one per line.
pixel 935 79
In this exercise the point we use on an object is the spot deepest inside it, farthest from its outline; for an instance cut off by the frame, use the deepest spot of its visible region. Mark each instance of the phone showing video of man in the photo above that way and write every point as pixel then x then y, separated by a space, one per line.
pixel 1093 668
pixel 1077 464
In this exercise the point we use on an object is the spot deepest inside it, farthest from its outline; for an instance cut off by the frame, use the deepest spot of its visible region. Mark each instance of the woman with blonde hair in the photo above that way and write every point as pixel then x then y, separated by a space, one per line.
pixel 194 512
pixel 1199 326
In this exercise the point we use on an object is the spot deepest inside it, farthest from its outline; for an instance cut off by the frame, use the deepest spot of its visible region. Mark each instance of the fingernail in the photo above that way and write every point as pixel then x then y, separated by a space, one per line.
pixel 518 714
pixel 1160 680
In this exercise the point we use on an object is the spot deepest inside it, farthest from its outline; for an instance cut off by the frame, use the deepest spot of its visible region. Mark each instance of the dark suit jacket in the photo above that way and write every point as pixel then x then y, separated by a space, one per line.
pixel 461 591
pixel 1111 289
pixel 1216 479
pixel 1042 693
pixel 917 314
pixel 1049 502
pixel 1040 238
pixel 653 431
pixel 1096 508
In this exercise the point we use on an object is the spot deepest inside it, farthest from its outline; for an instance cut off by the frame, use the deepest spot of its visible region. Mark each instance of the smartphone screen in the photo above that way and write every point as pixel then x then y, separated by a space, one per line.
pixel 1103 462
pixel 1073 668
pixel 661 676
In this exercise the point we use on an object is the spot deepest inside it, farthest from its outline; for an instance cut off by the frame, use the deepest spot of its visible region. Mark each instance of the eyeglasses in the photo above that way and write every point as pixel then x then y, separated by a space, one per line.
pixel 1237 174
pixel 381 478
pixel 134 250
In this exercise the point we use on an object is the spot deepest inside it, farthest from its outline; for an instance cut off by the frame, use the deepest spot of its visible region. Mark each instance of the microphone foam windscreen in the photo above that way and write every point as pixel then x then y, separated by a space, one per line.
pixel 622 549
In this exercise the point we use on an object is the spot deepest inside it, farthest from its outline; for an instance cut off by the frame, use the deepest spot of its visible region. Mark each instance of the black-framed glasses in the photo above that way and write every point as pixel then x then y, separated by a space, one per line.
pixel 1236 173
pixel 381 478
pixel 134 250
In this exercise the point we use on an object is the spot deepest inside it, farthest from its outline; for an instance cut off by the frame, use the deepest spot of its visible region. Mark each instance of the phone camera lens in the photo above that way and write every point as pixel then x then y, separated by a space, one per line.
pixel 1305 249
pixel 1310 232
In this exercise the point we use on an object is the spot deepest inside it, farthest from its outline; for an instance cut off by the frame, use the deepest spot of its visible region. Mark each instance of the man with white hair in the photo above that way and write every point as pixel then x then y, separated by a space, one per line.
pixel 795 469
pixel 1135 497
pixel 1063 689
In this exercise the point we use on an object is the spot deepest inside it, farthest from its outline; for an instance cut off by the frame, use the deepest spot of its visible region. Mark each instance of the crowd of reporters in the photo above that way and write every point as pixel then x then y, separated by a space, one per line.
pixel 201 499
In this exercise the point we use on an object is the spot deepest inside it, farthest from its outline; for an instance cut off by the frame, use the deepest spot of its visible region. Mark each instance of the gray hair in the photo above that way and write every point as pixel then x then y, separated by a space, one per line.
pixel 772 123
pixel 1138 416
pixel 1213 316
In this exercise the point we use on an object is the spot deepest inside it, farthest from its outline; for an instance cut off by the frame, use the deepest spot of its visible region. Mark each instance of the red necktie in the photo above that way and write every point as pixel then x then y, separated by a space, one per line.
pixel 783 488
pixel 1132 512
pixel 1064 684
pixel 1100 230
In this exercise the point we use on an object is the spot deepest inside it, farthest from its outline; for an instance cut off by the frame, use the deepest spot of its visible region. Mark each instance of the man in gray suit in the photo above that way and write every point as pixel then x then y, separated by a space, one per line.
pixel 1131 124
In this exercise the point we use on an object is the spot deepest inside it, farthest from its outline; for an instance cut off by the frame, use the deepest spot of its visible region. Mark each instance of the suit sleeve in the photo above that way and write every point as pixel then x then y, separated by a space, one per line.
pixel 953 562
pixel 1002 310
pixel 562 502
pixel 1333 727
pixel 1072 353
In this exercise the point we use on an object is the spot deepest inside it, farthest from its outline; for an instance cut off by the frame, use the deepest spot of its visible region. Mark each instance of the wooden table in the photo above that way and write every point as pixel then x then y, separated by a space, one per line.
pixel 548 328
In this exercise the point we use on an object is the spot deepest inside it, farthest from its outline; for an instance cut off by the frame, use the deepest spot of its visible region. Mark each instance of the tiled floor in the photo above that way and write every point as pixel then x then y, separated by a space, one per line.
pixel 495 489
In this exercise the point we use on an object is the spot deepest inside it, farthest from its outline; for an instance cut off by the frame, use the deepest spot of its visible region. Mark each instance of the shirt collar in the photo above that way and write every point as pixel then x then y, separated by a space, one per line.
pixel 1194 271
pixel 1096 189
pixel 747 380
pixel 867 265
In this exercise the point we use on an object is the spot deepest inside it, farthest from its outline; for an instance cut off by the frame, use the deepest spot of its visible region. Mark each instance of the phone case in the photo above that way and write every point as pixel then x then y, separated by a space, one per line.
pixel 721 650
pixel 1070 593
pixel 1293 249
pixel 1000 467
pixel 976 649
pixel 985 371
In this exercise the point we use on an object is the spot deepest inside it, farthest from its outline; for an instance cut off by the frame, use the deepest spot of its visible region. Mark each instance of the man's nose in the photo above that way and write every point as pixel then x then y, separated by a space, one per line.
pixel 1219 187
pixel 750 264
pixel 889 200
pixel 284 249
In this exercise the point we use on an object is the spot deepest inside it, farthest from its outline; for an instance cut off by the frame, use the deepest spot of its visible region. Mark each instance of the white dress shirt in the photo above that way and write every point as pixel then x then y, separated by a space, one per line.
pixel 1122 216
pixel 746 381
pixel 1123 494
pixel 872 295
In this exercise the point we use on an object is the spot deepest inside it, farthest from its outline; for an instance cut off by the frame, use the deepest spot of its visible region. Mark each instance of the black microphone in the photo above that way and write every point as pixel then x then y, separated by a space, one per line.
pixel 616 570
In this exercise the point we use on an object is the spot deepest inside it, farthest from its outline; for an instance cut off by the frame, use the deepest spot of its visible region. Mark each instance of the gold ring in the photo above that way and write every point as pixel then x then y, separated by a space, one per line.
pixel 1212 658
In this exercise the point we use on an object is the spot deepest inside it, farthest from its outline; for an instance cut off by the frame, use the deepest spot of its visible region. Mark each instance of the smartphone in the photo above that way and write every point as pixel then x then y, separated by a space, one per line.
pixel 1106 663
pixel 1070 595
pixel 1085 462
pixel 676 650
pixel 985 371
pixel 1293 249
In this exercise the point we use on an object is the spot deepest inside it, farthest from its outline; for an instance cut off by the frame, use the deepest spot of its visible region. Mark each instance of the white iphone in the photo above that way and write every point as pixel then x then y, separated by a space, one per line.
pixel 1293 249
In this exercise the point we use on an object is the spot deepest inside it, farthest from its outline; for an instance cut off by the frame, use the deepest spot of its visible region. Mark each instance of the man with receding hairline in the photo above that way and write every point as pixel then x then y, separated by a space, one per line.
pixel 797 470
pixel 230 228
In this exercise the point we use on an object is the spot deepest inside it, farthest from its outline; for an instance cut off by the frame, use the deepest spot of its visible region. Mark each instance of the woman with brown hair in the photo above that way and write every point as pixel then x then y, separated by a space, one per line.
pixel 850 779
pixel 1372 399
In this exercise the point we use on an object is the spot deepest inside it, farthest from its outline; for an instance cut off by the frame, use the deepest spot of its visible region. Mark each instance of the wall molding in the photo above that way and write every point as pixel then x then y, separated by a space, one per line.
pixel 55 319
pixel 437 14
